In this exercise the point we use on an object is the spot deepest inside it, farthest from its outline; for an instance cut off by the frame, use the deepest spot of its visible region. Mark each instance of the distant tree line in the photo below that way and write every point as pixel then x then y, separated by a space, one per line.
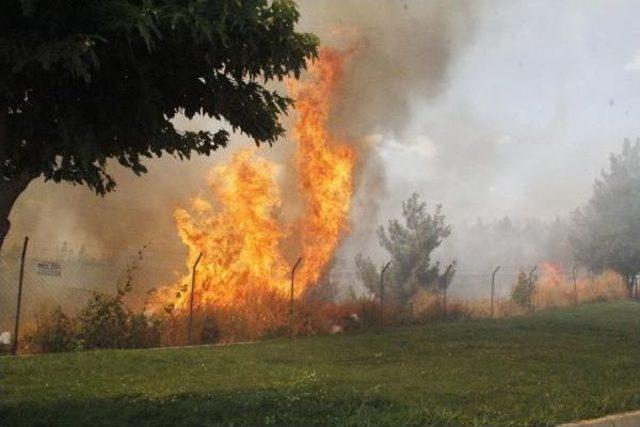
pixel 602 235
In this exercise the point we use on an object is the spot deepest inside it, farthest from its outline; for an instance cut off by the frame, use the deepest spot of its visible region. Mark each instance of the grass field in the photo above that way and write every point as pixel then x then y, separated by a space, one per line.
pixel 550 367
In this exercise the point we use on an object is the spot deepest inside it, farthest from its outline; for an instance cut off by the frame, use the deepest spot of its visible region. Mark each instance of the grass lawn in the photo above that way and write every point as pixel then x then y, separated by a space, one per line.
pixel 550 367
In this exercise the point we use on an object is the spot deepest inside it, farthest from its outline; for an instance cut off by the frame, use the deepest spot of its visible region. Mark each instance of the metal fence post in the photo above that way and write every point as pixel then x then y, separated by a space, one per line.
pixel 445 286
pixel 293 273
pixel 19 303
pixel 493 284
pixel 575 285
pixel 531 287
pixel 382 294
pixel 193 284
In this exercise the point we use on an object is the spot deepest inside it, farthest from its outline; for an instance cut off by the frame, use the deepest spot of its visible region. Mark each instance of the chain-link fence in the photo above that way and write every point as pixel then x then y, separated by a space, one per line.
pixel 57 276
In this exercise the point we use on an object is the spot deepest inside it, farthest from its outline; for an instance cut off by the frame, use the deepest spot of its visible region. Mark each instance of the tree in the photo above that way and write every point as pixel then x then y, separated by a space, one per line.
pixel 368 274
pixel 410 246
pixel 523 290
pixel 606 232
pixel 82 82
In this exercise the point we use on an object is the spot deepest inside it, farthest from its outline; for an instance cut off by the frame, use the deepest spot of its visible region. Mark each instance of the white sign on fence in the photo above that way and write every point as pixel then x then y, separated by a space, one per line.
pixel 49 268
pixel 5 338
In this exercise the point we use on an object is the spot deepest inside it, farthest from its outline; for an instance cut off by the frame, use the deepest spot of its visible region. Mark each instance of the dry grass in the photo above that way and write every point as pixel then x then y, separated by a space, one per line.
pixel 552 290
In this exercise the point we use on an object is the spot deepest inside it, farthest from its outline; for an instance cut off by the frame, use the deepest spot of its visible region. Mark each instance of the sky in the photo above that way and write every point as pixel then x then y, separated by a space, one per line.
pixel 512 110
pixel 534 105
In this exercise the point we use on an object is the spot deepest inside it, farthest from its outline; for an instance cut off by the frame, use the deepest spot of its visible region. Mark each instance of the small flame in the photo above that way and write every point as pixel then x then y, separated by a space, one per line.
pixel 558 288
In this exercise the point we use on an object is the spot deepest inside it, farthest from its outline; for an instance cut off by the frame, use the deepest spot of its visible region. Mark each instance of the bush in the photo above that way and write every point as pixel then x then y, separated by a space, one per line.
pixel 103 322
pixel 53 332
pixel 144 332
pixel 522 291
pixel 107 323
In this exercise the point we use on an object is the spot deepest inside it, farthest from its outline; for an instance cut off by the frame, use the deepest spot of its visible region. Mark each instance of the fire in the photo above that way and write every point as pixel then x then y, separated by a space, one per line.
pixel 243 263
pixel 556 287
pixel 324 165
pixel 240 243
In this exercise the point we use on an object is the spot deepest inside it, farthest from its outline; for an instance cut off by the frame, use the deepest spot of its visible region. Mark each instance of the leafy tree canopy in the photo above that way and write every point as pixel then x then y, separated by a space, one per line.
pixel 523 290
pixel 82 81
pixel 606 232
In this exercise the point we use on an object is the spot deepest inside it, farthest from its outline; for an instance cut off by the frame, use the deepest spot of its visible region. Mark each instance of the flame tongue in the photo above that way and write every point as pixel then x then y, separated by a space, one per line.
pixel 242 261
pixel 325 166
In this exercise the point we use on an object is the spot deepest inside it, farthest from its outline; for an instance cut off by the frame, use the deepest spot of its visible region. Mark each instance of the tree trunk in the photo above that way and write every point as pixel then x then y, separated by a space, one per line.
pixel 632 287
pixel 10 189
pixel 9 192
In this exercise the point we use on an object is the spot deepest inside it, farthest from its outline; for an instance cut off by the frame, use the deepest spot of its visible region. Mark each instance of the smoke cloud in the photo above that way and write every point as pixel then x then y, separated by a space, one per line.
pixel 490 108
pixel 401 54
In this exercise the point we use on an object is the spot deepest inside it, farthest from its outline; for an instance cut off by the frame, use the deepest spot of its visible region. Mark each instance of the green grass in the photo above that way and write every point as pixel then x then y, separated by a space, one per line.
pixel 554 366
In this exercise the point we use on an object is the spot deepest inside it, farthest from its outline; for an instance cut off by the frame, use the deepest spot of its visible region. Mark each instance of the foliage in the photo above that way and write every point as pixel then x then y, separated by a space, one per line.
pixel 53 332
pixel 523 290
pixel 81 82
pixel 105 322
pixel 542 369
pixel 144 331
pixel 606 232
pixel 368 274
pixel 410 246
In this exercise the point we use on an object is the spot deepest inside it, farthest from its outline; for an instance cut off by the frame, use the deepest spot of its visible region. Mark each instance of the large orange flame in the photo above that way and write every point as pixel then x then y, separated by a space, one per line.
pixel 240 239
pixel 324 164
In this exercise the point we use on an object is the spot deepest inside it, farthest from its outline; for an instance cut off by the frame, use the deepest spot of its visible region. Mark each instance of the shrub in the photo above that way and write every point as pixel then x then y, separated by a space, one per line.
pixel 144 331
pixel 107 323
pixel 53 332
pixel 522 291
pixel 103 322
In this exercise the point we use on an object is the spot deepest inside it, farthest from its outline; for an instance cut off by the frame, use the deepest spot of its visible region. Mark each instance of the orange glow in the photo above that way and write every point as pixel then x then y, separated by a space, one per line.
pixel 555 287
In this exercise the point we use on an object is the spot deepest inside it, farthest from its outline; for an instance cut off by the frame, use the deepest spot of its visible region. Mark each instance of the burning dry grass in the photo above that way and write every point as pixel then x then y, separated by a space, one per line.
pixel 263 315
pixel 266 314
pixel 268 317
pixel 553 289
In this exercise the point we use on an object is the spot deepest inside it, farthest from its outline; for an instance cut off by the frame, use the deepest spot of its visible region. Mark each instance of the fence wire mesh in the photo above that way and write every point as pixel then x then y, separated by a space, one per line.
pixel 57 276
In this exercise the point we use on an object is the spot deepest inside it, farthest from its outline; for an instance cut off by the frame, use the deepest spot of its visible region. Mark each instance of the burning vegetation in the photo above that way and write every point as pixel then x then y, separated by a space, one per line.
pixel 246 252
pixel 247 243
pixel 245 270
